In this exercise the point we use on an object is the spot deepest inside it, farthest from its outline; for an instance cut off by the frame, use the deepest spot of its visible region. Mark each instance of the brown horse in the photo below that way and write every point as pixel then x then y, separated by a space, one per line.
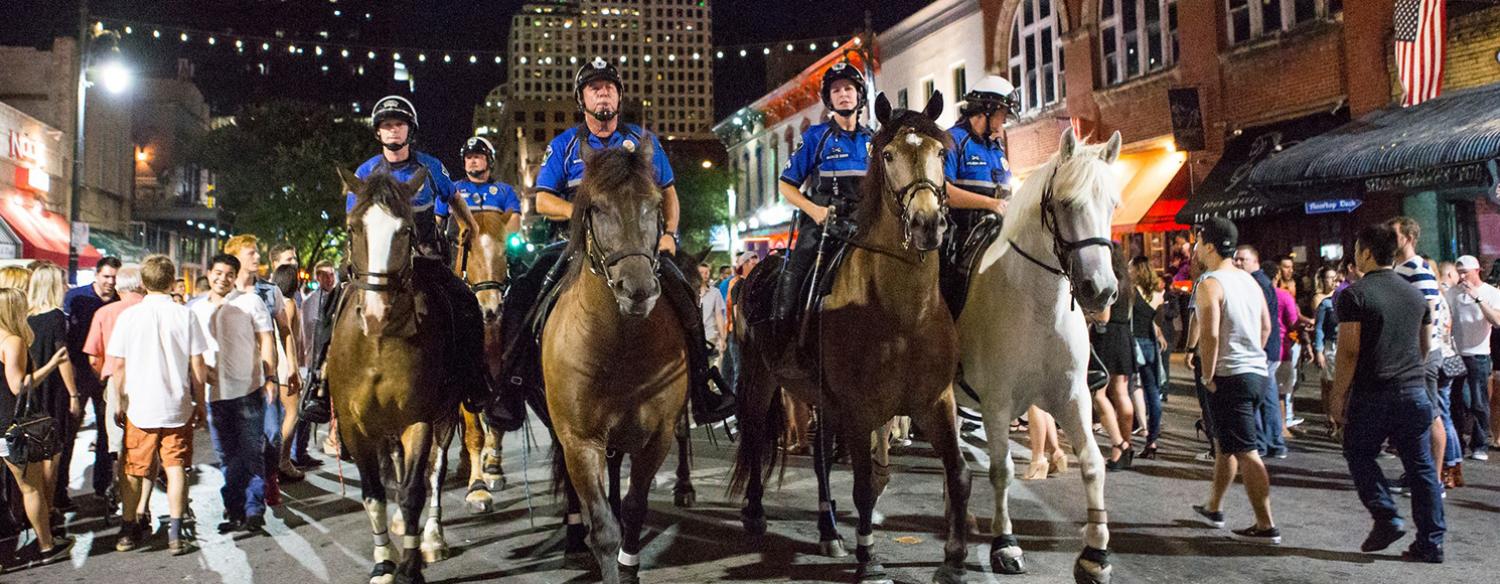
pixel 614 360
pixel 386 370
pixel 484 267
pixel 885 345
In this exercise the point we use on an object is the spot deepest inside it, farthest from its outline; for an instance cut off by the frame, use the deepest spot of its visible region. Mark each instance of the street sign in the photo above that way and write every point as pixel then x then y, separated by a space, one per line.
pixel 1187 119
pixel 1332 206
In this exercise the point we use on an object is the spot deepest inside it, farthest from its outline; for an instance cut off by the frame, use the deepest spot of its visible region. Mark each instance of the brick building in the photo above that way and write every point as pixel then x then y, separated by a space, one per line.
pixel 1247 79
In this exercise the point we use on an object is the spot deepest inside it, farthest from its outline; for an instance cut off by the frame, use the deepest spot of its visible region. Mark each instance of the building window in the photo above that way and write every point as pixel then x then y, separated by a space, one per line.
pixel 927 88
pixel 1136 37
pixel 960 82
pixel 901 99
pixel 1035 55
pixel 1250 19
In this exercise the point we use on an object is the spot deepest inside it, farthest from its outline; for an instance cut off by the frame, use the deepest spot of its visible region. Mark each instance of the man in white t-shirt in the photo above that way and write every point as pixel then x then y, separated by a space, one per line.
pixel 158 350
pixel 711 304
pixel 241 350
pixel 1476 311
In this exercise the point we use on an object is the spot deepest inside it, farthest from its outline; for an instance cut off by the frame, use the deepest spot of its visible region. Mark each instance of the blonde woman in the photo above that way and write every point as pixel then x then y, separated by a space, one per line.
pixel 15 277
pixel 58 392
pixel 15 340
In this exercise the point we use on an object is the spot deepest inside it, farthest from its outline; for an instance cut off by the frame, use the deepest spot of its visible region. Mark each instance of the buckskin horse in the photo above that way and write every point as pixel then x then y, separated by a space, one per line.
pixel 483 265
pixel 386 372
pixel 884 341
pixel 1024 341
pixel 614 361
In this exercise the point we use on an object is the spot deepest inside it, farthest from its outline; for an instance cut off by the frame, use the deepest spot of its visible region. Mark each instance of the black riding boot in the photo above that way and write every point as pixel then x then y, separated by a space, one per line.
pixel 709 406
pixel 466 365
pixel 790 293
pixel 521 371
pixel 316 407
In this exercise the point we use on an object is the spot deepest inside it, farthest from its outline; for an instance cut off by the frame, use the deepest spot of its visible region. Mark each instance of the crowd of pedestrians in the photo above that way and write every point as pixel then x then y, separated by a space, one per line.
pixel 155 362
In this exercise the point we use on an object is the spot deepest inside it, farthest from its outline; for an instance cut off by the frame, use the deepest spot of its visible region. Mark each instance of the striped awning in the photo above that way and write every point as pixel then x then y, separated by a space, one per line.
pixel 1460 129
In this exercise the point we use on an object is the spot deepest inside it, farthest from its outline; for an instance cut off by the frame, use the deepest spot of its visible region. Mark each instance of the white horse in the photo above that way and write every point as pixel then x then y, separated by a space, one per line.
pixel 1023 341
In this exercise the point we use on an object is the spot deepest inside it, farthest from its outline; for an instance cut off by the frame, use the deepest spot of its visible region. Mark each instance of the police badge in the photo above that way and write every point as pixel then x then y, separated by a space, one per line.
pixel 494 189
pixel 629 146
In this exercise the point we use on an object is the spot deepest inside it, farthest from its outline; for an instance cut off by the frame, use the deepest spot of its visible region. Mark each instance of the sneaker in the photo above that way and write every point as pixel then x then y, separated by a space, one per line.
pixel 62 549
pixel 306 462
pixel 1253 534
pixel 1294 422
pixel 290 473
pixel 130 537
pixel 1279 454
pixel 1206 456
pixel 180 546
pixel 1382 536
pixel 1481 455
pixel 1399 487
pixel 1423 556
pixel 255 523
pixel 1214 518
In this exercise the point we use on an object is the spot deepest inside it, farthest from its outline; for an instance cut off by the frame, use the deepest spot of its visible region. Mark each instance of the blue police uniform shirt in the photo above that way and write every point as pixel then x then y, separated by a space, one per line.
pixel 485 196
pixel 975 164
pixel 844 156
pixel 562 167
pixel 438 187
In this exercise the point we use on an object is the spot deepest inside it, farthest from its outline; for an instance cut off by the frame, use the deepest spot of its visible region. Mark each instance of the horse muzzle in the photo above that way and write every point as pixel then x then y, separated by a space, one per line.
pixel 925 230
pixel 635 286
pixel 1094 295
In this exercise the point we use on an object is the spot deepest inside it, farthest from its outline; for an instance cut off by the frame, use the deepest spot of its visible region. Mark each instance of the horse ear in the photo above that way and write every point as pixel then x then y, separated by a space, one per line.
pixel 934 106
pixel 417 179
pixel 646 153
pixel 1112 148
pixel 882 108
pixel 1068 145
pixel 352 182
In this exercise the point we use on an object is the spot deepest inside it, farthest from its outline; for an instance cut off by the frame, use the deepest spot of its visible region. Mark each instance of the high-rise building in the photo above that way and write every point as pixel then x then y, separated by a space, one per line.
pixel 661 47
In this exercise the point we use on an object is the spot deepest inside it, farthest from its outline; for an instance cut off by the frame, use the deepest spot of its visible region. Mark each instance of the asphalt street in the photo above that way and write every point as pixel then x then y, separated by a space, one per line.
pixel 321 535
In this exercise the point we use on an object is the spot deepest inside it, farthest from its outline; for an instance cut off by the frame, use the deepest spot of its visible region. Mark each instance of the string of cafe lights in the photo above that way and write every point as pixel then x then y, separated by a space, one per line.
pixel 262 45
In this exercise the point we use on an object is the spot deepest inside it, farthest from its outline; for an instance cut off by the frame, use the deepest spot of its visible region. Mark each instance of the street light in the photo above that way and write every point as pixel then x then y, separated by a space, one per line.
pixel 116 77
pixel 115 74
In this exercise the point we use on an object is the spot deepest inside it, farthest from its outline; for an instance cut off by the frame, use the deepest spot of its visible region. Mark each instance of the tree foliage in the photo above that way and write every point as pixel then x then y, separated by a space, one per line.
pixel 276 173
pixel 702 195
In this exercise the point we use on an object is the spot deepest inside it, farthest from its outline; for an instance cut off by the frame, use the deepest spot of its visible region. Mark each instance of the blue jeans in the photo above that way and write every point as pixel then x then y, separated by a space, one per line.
pixel 235 426
pixel 1454 453
pixel 1151 386
pixel 1269 418
pixel 1473 402
pixel 1403 416
pixel 730 366
pixel 275 413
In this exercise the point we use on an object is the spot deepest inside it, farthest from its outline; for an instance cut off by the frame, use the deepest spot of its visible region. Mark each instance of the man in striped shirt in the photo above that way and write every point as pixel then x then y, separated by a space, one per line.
pixel 1411 267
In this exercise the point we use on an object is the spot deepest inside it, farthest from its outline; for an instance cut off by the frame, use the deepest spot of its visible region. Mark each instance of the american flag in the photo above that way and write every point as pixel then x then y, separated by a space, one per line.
pixel 1420 44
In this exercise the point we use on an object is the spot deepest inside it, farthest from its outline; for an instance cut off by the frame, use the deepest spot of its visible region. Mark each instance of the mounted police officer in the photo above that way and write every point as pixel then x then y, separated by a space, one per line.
pixel 478 189
pixel 823 177
pixel 394 120
pixel 597 89
pixel 977 172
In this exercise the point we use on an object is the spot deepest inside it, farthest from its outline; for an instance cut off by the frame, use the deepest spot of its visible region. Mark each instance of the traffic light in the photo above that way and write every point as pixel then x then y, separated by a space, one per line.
pixel 516 241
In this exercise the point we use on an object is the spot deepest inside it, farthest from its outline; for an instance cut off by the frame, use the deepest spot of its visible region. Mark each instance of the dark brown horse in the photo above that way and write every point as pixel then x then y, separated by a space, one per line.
pixel 885 345
pixel 483 265
pixel 386 371
pixel 614 360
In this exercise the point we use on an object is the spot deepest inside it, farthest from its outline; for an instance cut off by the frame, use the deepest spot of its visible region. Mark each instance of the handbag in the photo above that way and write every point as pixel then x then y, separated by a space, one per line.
pixel 31 436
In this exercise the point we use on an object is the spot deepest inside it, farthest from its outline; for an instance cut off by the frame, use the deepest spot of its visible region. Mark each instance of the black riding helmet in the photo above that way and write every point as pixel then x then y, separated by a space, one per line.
pixel 477 145
pixel 842 70
pixel 395 106
pixel 595 70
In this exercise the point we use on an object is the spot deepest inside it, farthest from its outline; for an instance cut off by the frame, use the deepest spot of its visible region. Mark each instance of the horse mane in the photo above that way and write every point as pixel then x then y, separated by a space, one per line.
pixel 872 189
pixel 1078 182
pixel 608 173
pixel 381 188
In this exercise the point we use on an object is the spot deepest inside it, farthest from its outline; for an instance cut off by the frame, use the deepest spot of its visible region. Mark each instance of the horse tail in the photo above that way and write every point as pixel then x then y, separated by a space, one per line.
pixel 757 449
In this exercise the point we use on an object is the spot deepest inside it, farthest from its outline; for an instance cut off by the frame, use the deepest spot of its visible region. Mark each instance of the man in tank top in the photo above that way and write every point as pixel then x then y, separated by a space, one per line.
pixel 1233 325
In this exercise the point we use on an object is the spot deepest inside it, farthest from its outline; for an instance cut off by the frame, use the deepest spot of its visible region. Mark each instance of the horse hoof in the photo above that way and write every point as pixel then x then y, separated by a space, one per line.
pixel 685 499
pixel 495 483
pixel 583 560
pixel 481 503
pixel 948 575
pixel 754 524
pixel 872 572
pixel 1008 560
pixel 1092 567
pixel 833 548
pixel 435 553
pixel 630 574
pixel 383 573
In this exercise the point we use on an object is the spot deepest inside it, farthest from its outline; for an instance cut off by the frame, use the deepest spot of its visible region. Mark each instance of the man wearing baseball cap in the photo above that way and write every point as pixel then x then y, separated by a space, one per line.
pixel 1476 311
pixel 1233 324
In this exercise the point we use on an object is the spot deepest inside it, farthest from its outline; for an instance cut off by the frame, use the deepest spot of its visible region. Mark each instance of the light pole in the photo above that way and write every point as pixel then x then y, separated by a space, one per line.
pixel 116 77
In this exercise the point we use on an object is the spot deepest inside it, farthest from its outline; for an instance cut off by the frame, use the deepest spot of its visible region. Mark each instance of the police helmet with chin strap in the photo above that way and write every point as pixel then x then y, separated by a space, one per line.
pixel 846 71
pixel 478 145
pixel 598 69
pixel 988 96
pixel 395 107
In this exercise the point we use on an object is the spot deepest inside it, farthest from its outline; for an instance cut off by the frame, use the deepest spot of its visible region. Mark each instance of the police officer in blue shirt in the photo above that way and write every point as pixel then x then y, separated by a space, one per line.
pixel 824 174
pixel 977 172
pixel 395 122
pixel 597 89
pixel 478 190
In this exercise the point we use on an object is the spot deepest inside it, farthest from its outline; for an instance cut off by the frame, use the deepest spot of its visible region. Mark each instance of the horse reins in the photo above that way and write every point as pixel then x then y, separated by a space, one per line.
pixel 599 262
pixel 1062 249
pixel 481 286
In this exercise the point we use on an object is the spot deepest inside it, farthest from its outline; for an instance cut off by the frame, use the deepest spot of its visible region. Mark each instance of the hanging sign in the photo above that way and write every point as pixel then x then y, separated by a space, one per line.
pixel 1332 206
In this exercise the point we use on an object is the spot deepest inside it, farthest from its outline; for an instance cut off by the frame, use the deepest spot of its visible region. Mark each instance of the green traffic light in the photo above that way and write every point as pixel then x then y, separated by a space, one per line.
pixel 515 240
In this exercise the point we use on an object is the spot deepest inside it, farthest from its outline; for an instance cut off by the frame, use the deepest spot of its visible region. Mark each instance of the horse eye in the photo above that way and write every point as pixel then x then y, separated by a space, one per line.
pixel 888 156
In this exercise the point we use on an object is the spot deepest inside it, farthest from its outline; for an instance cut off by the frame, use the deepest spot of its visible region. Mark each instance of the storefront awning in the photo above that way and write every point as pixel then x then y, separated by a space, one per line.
pixel 1226 191
pixel 1148 178
pixel 117 245
pixel 43 234
pixel 1456 130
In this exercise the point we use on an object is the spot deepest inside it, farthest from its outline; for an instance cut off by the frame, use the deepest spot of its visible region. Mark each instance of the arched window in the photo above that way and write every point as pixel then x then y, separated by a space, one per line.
pixel 1036 59
pixel 1136 37
pixel 1249 19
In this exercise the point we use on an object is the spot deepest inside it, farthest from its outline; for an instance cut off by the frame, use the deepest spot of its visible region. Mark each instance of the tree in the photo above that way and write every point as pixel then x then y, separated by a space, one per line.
pixel 276 173
pixel 702 196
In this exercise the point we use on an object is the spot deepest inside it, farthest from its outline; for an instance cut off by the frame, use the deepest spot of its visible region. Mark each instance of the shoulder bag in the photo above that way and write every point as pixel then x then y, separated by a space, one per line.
pixel 31 436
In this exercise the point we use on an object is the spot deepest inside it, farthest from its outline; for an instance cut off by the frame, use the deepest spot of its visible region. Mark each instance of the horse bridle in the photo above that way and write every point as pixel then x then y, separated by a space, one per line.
pixel 904 197
pixel 600 262
pixel 393 280
pixel 480 286
pixel 1062 249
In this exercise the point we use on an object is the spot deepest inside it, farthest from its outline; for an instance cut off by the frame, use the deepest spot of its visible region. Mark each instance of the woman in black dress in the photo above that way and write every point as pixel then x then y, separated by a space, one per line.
pixel 15 340
pixel 58 394
pixel 1114 344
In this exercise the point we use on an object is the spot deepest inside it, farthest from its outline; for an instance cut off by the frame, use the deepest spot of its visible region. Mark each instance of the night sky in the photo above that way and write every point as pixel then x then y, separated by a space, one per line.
pixel 445 94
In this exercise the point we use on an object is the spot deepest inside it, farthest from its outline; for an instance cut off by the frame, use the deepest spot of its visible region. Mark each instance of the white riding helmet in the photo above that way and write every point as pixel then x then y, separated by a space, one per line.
pixel 991 93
